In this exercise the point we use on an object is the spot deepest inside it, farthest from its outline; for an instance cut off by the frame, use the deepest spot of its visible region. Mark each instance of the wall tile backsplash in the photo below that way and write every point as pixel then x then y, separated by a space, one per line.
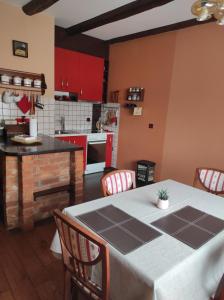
pixel 45 117
pixel 49 119
pixel 78 116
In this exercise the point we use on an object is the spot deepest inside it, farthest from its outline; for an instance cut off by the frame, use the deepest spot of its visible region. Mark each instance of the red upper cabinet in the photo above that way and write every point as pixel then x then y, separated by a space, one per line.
pixel 60 69
pixel 91 77
pixel 66 70
pixel 73 78
pixel 79 73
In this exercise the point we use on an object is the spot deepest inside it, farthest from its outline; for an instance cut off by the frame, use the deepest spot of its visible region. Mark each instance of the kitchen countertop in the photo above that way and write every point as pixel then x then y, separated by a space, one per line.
pixel 78 133
pixel 49 145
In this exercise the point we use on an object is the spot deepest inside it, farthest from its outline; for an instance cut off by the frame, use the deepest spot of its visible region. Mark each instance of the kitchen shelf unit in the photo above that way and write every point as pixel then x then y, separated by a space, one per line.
pixel 135 94
pixel 19 88
pixel 22 74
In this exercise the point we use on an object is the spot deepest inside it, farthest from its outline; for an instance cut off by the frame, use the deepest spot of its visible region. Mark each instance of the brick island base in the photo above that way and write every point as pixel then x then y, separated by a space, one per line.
pixel 34 185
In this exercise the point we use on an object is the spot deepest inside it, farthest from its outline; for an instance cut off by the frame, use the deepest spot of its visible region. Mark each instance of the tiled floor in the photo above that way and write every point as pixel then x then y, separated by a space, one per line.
pixel 28 271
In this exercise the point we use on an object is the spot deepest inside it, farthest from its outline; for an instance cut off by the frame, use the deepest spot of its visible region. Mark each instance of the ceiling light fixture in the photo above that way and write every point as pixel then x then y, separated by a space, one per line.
pixel 205 9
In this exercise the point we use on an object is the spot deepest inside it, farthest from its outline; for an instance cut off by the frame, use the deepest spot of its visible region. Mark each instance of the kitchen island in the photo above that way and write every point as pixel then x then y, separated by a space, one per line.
pixel 36 179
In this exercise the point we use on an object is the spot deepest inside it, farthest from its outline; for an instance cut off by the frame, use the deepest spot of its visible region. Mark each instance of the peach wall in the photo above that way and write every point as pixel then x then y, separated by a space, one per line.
pixel 195 122
pixel 182 74
pixel 38 32
pixel 145 62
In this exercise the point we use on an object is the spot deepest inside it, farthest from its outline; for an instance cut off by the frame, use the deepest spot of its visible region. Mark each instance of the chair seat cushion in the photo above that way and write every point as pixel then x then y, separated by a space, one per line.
pixel 212 180
pixel 119 182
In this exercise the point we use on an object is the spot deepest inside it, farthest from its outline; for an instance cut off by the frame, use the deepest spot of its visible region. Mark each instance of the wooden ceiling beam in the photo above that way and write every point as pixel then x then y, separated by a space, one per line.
pixel 36 6
pixel 122 12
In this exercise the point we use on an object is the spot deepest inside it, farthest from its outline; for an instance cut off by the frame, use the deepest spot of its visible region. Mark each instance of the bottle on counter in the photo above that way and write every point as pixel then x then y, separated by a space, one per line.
pixel 33 127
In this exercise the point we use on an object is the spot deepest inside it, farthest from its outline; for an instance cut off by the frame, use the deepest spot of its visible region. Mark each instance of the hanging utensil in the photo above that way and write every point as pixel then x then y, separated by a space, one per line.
pixel 32 108
pixel 38 104
pixel 7 96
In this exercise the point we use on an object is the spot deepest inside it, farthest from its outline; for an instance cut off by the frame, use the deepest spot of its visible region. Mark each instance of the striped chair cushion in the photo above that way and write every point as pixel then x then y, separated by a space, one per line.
pixel 119 182
pixel 82 257
pixel 85 250
pixel 212 180
pixel 80 247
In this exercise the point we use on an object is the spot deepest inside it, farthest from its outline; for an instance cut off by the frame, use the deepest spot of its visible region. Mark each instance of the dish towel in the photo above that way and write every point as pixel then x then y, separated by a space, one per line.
pixel 24 104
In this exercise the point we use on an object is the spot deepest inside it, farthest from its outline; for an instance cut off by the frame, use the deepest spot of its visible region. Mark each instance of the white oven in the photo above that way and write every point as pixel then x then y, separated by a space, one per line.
pixel 96 152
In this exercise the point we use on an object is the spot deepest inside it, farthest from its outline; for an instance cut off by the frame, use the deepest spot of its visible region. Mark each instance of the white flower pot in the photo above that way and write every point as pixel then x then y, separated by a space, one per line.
pixel 162 204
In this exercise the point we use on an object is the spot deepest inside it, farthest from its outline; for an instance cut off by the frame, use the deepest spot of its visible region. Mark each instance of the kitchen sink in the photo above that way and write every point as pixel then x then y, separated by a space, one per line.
pixel 65 131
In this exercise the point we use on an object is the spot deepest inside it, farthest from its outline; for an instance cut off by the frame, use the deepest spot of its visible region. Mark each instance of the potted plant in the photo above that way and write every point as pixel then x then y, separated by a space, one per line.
pixel 163 199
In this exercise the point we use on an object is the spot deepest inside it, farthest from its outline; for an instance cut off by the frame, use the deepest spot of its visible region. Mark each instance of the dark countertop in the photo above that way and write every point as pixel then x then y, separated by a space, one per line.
pixel 49 145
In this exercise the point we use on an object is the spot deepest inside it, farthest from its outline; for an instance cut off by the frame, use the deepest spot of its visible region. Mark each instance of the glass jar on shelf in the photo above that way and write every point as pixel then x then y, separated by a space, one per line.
pixel 134 97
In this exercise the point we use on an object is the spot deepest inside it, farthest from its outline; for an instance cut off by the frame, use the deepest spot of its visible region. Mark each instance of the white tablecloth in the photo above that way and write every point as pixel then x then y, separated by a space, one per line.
pixel 164 269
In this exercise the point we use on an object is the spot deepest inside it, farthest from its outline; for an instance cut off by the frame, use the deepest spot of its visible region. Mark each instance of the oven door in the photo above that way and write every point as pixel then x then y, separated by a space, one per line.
pixel 96 156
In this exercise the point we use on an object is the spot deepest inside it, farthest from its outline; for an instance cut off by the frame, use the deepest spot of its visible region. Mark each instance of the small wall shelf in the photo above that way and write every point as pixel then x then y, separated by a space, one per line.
pixel 33 76
pixel 114 96
pixel 130 105
pixel 135 94
pixel 19 88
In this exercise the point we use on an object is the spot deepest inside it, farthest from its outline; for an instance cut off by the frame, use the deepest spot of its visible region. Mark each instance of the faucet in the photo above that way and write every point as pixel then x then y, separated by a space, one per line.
pixel 63 123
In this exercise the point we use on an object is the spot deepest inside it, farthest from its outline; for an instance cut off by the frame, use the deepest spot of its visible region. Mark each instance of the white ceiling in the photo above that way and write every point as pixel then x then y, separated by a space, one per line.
pixel 71 12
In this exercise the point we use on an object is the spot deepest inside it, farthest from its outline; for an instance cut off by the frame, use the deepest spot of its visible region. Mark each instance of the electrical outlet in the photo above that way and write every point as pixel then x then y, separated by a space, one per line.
pixel 151 125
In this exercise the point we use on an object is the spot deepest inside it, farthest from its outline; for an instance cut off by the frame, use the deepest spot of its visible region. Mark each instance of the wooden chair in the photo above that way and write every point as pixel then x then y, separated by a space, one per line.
pixel 82 251
pixel 212 180
pixel 219 295
pixel 118 181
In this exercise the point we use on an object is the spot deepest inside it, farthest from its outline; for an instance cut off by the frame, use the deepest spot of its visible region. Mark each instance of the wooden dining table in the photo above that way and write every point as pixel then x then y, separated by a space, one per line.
pixel 184 261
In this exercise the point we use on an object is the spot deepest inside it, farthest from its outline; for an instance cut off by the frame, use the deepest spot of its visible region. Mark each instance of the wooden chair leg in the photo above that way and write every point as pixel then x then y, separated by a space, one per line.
pixel 75 292
pixel 67 285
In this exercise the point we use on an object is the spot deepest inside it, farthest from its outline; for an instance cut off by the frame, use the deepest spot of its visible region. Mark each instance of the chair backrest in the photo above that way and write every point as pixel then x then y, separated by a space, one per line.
pixel 82 251
pixel 211 179
pixel 219 295
pixel 118 181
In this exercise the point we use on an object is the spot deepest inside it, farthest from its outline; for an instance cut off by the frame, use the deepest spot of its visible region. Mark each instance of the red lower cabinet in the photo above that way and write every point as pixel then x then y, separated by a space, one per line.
pixel 109 149
pixel 80 140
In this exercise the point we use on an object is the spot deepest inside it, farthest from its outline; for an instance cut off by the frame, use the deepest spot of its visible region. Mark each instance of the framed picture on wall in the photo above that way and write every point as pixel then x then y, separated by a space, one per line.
pixel 20 48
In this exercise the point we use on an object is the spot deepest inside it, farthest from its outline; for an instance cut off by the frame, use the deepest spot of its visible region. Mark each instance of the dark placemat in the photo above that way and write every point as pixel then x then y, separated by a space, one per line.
pixel 190 226
pixel 121 230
